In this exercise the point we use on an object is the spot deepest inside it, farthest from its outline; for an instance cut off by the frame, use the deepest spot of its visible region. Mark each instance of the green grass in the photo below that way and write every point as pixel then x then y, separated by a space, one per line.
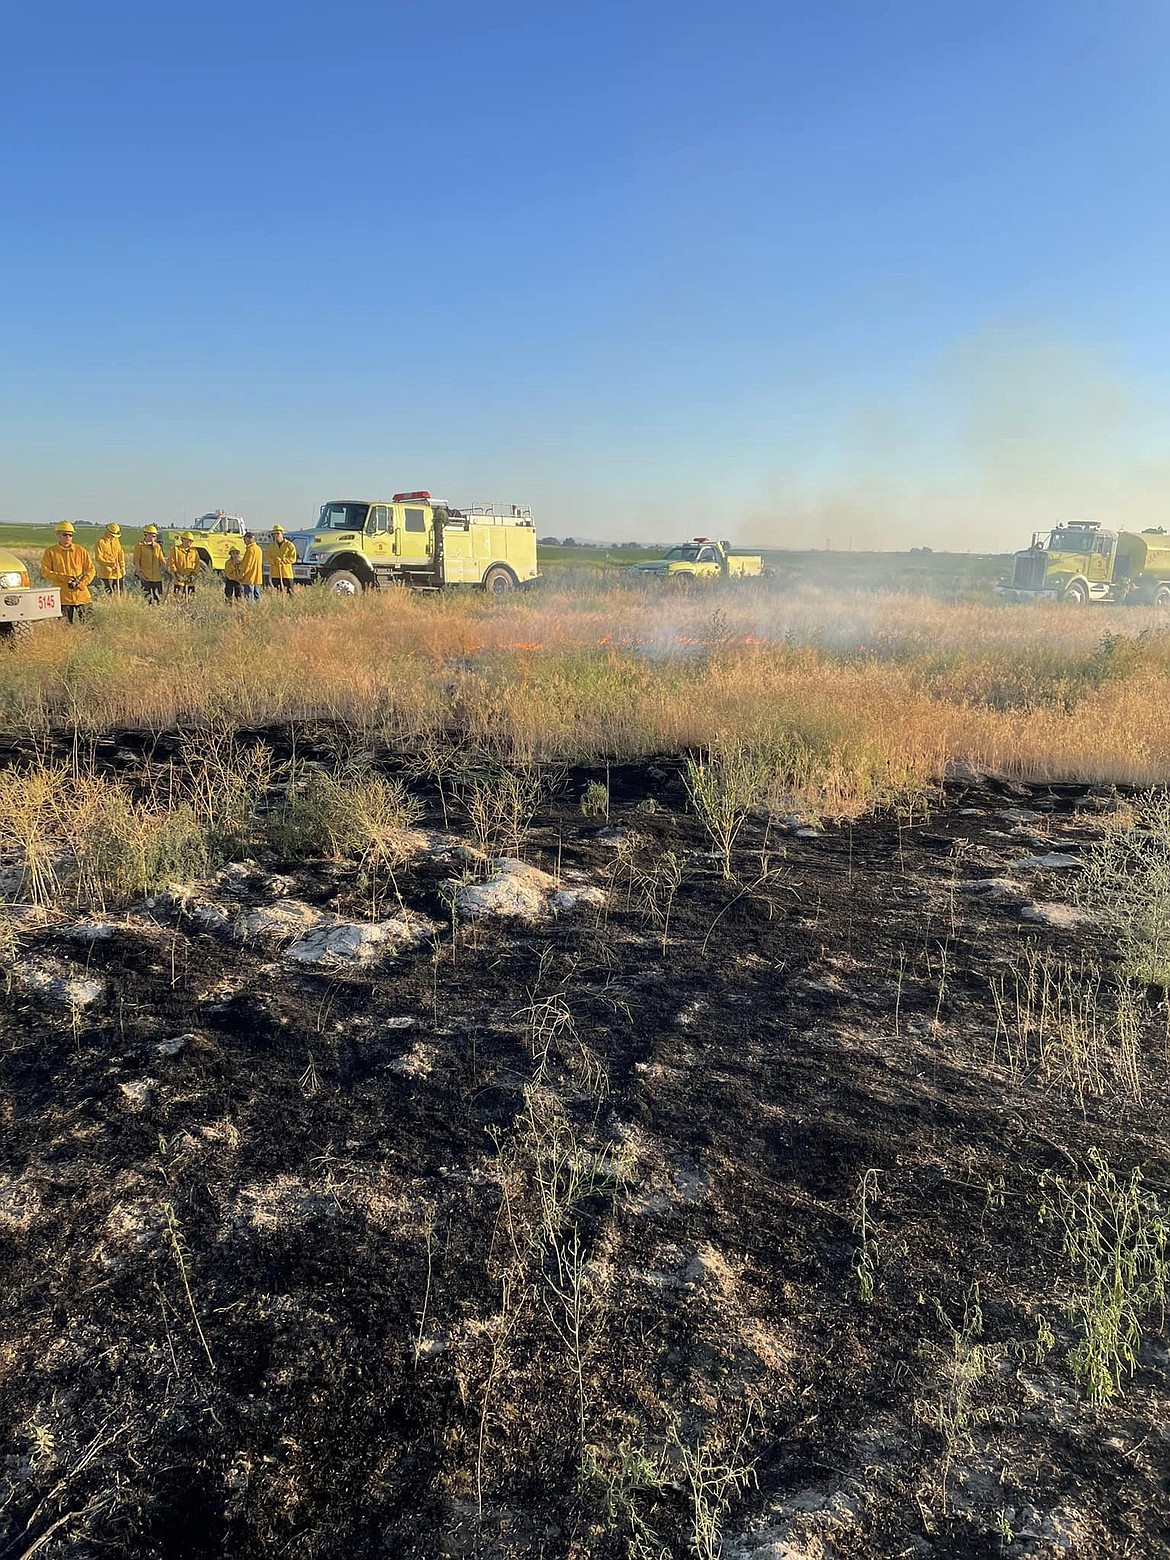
pixel 945 575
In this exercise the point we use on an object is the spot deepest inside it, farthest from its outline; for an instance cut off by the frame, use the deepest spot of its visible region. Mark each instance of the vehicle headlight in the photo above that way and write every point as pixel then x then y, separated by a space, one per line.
pixel 11 580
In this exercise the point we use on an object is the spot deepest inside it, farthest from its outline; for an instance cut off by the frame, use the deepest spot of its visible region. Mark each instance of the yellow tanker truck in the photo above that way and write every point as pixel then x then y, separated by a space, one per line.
pixel 1079 562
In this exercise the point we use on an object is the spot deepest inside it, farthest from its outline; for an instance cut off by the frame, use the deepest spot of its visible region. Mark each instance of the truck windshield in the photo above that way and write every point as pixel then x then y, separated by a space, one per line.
pixel 1076 541
pixel 342 517
pixel 685 554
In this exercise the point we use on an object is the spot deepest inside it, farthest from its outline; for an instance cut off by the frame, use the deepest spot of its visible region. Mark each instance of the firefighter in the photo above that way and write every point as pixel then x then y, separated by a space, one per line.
pixel 231 575
pixel 183 566
pixel 281 557
pixel 68 566
pixel 251 571
pixel 110 560
pixel 149 564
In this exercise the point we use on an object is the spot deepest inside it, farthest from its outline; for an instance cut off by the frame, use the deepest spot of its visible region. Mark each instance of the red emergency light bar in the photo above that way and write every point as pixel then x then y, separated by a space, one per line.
pixel 700 538
pixel 421 497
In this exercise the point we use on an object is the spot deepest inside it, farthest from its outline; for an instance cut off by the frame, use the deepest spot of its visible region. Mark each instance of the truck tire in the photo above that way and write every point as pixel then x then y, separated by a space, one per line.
pixel 1077 594
pixel 344 582
pixel 14 633
pixel 1162 596
pixel 499 580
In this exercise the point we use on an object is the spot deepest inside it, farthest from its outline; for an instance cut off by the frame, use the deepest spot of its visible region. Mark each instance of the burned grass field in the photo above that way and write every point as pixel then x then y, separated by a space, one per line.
pixel 565 1177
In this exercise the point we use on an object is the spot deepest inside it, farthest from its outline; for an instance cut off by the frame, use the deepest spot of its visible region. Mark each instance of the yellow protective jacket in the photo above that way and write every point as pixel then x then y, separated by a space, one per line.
pixel 110 558
pixel 61 566
pixel 183 564
pixel 281 557
pixel 149 562
pixel 231 569
pixel 251 565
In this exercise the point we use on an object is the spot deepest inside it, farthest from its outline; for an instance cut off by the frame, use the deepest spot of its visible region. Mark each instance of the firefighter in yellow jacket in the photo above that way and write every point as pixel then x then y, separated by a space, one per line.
pixel 281 555
pixel 110 559
pixel 68 566
pixel 183 566
pixel 232 589
pixel 149 563
pixel 251 569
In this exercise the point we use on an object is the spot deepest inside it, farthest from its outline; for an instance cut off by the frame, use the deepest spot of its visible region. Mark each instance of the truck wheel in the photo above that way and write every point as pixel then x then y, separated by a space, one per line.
pixel 344 582
pixel 498 580
pixel 1077 594
pixel 1162 596
pixel 14 633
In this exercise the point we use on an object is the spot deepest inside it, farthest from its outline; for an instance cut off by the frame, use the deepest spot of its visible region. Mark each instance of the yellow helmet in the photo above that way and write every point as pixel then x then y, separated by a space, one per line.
pixel 278 530
pixel 113 529
pixel 151 530
pixel 64 528
pixel 188 536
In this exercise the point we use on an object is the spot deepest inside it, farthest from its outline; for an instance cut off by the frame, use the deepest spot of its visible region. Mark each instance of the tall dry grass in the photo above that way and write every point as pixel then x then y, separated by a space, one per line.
pixel 862 696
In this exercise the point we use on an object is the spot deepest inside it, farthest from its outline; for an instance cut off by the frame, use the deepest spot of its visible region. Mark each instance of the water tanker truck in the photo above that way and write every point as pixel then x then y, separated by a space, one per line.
pixel 1079 562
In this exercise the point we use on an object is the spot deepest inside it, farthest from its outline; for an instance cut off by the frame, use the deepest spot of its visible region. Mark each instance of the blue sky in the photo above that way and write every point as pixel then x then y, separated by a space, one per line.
pixel 875 273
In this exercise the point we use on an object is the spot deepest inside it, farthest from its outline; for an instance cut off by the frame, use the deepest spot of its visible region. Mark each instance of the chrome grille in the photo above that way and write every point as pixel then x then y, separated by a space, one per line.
pixel 1029 573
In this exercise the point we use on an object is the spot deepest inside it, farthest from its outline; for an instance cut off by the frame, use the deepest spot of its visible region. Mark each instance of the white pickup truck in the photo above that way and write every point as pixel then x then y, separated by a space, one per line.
pixel 20 603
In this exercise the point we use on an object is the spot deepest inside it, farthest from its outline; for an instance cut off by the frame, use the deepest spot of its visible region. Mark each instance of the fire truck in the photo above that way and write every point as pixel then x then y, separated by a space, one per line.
pixel 365 544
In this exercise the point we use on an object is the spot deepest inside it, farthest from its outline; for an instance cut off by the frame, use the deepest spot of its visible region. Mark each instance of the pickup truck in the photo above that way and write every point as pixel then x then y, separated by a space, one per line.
pixel 703 559
pixel 20 604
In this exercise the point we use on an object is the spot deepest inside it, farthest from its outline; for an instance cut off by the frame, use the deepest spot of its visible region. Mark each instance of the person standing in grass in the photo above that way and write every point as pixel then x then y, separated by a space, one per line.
pixel 149 564
pixel 282 555
pixel 232 589
pixel 110 560
pixel 183 566
pixel 68 566
pixel 251 569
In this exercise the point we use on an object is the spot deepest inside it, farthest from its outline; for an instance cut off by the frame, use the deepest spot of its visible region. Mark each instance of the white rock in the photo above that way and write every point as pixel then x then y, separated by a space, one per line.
pixel 997 889
pixel 283 922
pixel 574 898
pixel 1018 815
pixel 1053 860
pixel 514 889
pixel 333 941
pixel 1065 918
pixel 58 982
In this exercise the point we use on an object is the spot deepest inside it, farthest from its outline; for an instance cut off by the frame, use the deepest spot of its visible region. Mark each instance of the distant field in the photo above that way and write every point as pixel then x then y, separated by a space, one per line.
pixel 946 575
pixel 943 574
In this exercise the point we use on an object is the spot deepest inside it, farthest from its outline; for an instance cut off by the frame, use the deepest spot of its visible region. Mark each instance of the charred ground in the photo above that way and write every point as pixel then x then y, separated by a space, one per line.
pixel 281 1275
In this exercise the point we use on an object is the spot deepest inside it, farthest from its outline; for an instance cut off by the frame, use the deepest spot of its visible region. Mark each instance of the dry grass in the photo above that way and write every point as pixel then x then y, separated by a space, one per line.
pixel 862 698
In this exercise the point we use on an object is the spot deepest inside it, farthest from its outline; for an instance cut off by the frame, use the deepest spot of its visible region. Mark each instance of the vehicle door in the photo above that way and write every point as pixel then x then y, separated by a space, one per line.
pixel 415 534
pixel 1101 561
pixel 707 563
pixel 380 536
